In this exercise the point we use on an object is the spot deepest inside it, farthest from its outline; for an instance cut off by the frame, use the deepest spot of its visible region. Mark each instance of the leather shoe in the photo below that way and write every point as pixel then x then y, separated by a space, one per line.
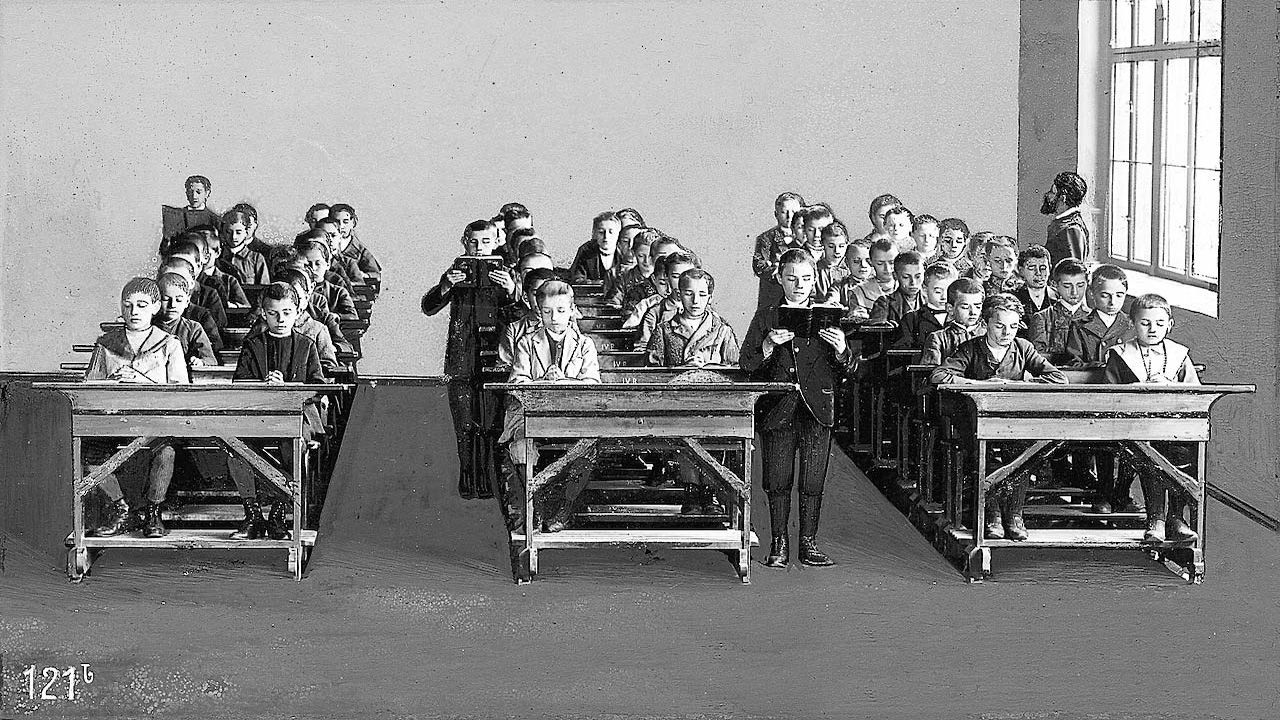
pixel 1177 530
pixel 154 527
pixel 1015 528
pixel 811 555
pixel 779 553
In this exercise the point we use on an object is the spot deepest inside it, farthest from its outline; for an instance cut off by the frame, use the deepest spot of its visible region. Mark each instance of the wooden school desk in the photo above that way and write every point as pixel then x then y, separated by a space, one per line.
pixel 680 416
pixel 224 412
pixel 1129 417
pixel 862 393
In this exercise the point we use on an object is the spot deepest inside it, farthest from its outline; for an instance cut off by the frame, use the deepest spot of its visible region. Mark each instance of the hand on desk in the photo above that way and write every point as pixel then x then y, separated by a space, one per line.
pixel 126 374
pixel 275 377
pixel 555 373
pixel 196 362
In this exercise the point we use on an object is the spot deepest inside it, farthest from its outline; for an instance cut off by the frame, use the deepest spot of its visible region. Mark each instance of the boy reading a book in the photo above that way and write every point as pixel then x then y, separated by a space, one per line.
pixel 797 423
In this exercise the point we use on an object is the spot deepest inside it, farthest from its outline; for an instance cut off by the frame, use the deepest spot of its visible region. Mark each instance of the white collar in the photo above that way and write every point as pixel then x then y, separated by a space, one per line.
pixel 1067 212
pixel 1107 319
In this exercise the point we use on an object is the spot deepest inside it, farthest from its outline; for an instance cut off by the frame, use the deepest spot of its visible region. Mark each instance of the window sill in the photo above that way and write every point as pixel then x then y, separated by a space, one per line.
pixel 1180 295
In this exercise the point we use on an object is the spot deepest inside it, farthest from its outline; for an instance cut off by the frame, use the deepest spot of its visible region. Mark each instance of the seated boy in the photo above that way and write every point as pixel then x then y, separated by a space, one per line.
pixel 600 258
pixel 315 214
pixel 229 289
pixel 770 245
pixel 521 317
pixel 340 264
pixel 471 307
pixel 1048 328
pixel 880 207
pixel 1153 358
pixel 813 221
pixel 953 244
pixel 861 298
pixel 964 322
pixel 315 258
pixel 897 226
pixel 979 270
pixel 554 351
pixel 999 356
pixel 515 219
pixel 349 243
pixel 858 258
pixel 174 298
pixel 139 353
pixel 1035 293
pixel 202 295
pixel 305 324
pixel 641 244
pixel 194 312
pixel 1000 259
pixel 832 269
pixel 669 307
pixel 276 354
pixel 653 288
pixel 925 231
pixel 800 421
pixel 916 326
pixel 908 275
pixel 238 259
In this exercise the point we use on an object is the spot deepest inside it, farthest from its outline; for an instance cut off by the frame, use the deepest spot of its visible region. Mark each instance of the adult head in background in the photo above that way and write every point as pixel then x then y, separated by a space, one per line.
pixel 1069 235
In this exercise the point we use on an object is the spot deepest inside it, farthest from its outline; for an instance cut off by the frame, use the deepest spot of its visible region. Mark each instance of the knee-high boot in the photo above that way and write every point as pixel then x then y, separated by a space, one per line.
pixel 1177 529
pixel 810 513
pixel 1014 526
pixel 779 516
pixel 1155 498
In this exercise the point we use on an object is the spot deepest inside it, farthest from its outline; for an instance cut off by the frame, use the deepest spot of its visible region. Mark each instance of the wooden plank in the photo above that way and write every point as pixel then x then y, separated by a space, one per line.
pixel 1114 429
pixel 113 463
pixel 129 425
pixel 1070 538
pixel 1017 466
pixel 206 512
pixel 1188 483
pixel 623 426
pixel 194 538
pixel 712 465
pixel 289 487
pixel 115 396
pixel 684 538
pixel 579 450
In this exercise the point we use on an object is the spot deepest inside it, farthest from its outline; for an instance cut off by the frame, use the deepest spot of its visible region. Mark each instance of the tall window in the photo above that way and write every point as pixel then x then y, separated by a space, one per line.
pixel 1166 146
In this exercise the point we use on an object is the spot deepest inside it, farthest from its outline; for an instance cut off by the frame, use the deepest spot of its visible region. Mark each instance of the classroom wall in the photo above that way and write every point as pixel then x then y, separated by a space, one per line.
pixel 425 116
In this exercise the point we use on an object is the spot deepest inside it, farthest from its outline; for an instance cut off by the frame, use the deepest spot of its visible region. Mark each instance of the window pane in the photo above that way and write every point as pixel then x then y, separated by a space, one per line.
pixel 1121 102
pixel 1145 20
pixel 1209 18
pixel 1173 220
pixel 1177 76
pixel 1144 109
pixel 1118 210
pixel 1141 209
pixel 1204 251
pixel 1209 113
pixel 1178 23
pixel 1122 23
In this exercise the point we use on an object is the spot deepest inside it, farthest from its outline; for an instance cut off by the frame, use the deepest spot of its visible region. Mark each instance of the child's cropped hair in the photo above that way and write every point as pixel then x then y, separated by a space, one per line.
pixel 880 202
pixel 1008 241
pixel 513 211
pixel 279 291
pixel 536 276
pixel 683 258
pixel 1035 252
pixel 963 286
pixel 992 243
pixel 182 246
pixel 785 198
pixel 173 281
pixel 1102 273
pixel 978 241
pixel 925 219
pixel 1068 267
pixel 283 258
pixel 818 213
pixel 305 246
pixel 314 208
pixel 342 207
pixel 902 210
pixel 141 286
pixel 176 263
pixel 884 246
pixel 698 274
pixel 952 224
pixel 473 226
pixel 294 277
pixel 835 229
pixel 630 217
pixel 304 240
pixel 554 288
pixel 604 217
pixel 938 271
pixel 233 217
pixel 1151 301
pixel 910 257
pixel 202 180
pixel 531 246
pixel 796 256
pixel 247 209
pixel 1001 302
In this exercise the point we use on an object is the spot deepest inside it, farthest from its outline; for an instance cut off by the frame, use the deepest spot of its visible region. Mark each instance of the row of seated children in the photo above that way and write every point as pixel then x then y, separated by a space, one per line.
pixel 157 345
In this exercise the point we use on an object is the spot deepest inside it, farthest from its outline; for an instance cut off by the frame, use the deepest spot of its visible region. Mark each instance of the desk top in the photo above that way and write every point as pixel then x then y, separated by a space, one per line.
pixel 642 387
pixel 1103 388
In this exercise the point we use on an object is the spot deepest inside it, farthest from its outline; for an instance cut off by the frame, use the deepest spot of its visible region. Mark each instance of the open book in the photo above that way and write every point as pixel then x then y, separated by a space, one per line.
pixel 476 268
pixel 805 322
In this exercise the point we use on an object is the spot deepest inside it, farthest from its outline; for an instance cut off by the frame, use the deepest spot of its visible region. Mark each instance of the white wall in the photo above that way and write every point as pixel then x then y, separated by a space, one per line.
pixel 425 116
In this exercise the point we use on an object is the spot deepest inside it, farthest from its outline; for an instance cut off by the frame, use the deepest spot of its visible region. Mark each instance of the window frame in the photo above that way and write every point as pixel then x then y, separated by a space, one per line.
pixel 1159 52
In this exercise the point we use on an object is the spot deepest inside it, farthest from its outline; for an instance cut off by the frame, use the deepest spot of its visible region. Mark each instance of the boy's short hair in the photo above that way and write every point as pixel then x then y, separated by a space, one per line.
pixel 183 246
pixel 682 258
pixel 660 266
pixel 473 226
pixel 208 186
pixel 305 246
pixel 796 256
pixel 341 207
pixel 313 208
pixel 996 242
pixel 883 246
pixel 1151 301
pixel 513 211
pixel 233 216
pixel 279 291
pixel 247 209
pixel 1068 267
pixel 953 224
pixel 283 258
pixel 1103 273
pixel 520 263
pixel 925 219
pixel 902 210
pixel 908 257
pixel 536 276
pixel 604 217
pixel 327 219
pixel 532 245
pixel 141 286
pixel 173 263
pixel 1035 252
pixel 1001 302
pixel 1072 186
pixel 1008 240
pixel 785 198
pixel 939 271
pixel 835 229
pixel 881 201
pixel 310 236
pixel 293 277
pixel 175 281
pixel 644 238
pixel 630 217
pixel 520 233
pixel 815 213
pixel 554 288
pixel 979 239
pixel 697 274
pixel 963 286
pixel 663 240
pixel 863 243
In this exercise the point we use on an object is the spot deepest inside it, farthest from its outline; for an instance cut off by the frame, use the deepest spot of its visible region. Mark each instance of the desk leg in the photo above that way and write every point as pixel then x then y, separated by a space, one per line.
pixel 978 566
pixel 298 480
pixel 78 554
pixel 744 514
pixel 1197 550
pixel 529 558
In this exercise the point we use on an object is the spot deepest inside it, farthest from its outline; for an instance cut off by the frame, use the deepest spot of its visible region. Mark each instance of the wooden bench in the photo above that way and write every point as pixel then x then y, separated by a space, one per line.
pixel 225 413
pixel 598 417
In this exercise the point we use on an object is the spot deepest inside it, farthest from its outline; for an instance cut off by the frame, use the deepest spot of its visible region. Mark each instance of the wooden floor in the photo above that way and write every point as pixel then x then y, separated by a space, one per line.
pixel 408 611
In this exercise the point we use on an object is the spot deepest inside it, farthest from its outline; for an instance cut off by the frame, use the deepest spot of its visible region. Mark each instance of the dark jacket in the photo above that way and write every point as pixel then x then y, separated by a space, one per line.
pixel 470 308
pixel 338 300
pixel 1047 330
pixel 1089 339
pixel 812 364
pixel 1068 238
pixel 894 306
pixel 194 340
pixel 209 299
pixel 303 362
pixel 199 315
pixel 588 267
pixel 249 268
pixel 973 360
pixel 363 256
pixel 1029 307
pixel 916 326
pixel 228 288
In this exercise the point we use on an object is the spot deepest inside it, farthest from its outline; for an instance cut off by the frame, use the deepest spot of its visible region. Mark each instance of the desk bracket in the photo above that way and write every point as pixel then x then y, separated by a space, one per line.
pixel 237 447
pixel 720 471
pixel 1017 465
pixel 578 451
pixel 113 463
pixel 1152 457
